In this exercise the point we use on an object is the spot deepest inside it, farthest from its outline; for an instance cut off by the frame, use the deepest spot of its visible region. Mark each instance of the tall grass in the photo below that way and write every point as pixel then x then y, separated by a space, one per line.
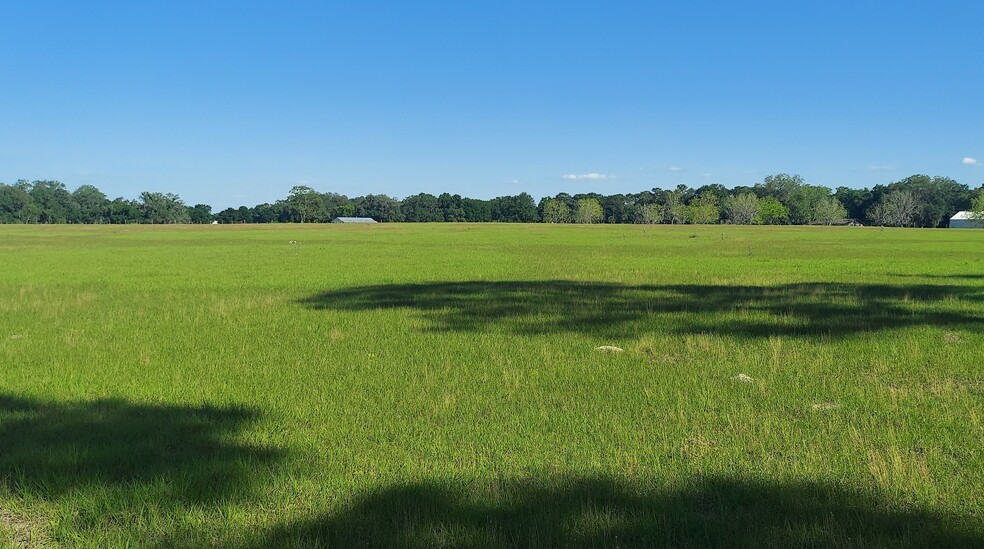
pixel 437 385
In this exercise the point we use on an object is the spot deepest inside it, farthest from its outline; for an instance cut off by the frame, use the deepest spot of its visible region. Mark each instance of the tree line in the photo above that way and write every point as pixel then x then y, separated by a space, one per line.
pixel 916 201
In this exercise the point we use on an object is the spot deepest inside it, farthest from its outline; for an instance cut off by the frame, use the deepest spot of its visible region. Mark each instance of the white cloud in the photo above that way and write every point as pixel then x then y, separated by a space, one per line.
pixel 968 161
pixel 593 176
pixel 880 168
pixel 674 169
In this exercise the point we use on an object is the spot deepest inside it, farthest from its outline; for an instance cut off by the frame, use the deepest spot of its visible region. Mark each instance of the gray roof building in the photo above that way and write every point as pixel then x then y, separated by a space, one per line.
pixel 353 220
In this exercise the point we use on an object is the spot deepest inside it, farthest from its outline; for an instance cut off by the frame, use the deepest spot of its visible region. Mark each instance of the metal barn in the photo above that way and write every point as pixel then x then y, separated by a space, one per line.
pixel 963 220
pixel 353 220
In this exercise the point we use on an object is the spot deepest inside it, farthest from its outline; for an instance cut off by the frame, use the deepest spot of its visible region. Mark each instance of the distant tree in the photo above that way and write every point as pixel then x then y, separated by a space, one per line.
pixel 877 215
pixel 305 205
pixel 514 209
pixel 936 198
pixel 678 213
pixel 874 198
pixel 422 208
pixel 782 186
pixel 244 214
pixel 524 208
pixel 855 201
pixel 771 211
pixel 703 211
pixel 241 214
pixel 715 193
pixel 650 213
pixel 200 214
pixel 476 210
pixel 284 215
pixel 452 207
pixel 977 206
pixel 674 207
pixel 631 213
pixel 802 203
pixel 267 213
pixel 742 209
pixel 943 198
pixel 123 211
pixel 54 202
pixel 227 216
pixel 16 205
pixel 618 208
pixel 645 198
pixel 918 200
pixel 828 211
pixel 560 210
pixel 799 198
pixel 91 204
pixel 899 207
pixel 380 207
pixel 556 211
pixel 588 211
pixel 336 205
pixel 684 193
pixel 163 208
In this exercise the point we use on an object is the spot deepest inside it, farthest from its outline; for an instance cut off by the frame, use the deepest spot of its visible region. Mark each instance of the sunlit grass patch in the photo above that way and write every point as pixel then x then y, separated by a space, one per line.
pixel 441 385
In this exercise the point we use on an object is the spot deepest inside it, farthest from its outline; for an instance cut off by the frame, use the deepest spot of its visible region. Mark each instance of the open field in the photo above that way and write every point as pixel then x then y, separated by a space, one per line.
pixel 438 385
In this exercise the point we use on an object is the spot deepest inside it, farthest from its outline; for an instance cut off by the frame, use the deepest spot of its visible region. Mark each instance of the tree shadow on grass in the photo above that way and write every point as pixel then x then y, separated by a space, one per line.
pixel 600 512
pixel 614 310
pixel 179 454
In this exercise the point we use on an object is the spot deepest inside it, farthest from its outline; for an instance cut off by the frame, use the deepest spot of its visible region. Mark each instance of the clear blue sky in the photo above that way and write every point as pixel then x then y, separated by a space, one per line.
pixel 233 103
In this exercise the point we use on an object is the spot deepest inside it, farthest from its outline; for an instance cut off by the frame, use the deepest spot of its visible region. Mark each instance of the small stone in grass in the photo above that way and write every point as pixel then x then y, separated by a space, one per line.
pixel 743 378
pixel 609 349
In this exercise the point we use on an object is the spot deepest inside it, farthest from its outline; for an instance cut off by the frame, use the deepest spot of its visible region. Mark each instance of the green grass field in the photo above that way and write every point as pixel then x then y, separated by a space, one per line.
pixel 438 385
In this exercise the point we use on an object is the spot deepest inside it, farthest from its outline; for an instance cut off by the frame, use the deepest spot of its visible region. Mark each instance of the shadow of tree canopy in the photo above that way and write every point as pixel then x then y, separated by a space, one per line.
pixel 541 307
pixel 600 512
pixel 50 449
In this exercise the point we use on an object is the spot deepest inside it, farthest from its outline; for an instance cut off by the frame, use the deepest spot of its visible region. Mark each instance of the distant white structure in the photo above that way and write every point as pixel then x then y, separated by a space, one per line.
pixel 215 222
pixel 353 220
pixel 963 220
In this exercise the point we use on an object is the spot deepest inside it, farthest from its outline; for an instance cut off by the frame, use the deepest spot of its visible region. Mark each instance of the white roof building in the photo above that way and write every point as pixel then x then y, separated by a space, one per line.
pixel 965 220
pixel 353 220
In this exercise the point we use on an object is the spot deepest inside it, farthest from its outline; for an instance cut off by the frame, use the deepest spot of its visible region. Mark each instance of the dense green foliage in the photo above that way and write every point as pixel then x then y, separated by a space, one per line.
pixel 917 201
pixel 977 208
pixel 438 385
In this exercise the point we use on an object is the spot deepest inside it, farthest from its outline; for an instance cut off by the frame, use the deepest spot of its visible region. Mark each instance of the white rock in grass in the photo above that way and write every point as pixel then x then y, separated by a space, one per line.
pixel 609 349
pixel 744 378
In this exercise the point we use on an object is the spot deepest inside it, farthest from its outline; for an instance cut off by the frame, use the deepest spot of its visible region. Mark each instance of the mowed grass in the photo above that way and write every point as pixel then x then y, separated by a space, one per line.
pixel 438 385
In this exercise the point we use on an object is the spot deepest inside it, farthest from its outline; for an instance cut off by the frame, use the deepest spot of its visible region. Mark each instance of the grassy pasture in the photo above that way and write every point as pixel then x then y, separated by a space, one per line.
pixel 437 385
